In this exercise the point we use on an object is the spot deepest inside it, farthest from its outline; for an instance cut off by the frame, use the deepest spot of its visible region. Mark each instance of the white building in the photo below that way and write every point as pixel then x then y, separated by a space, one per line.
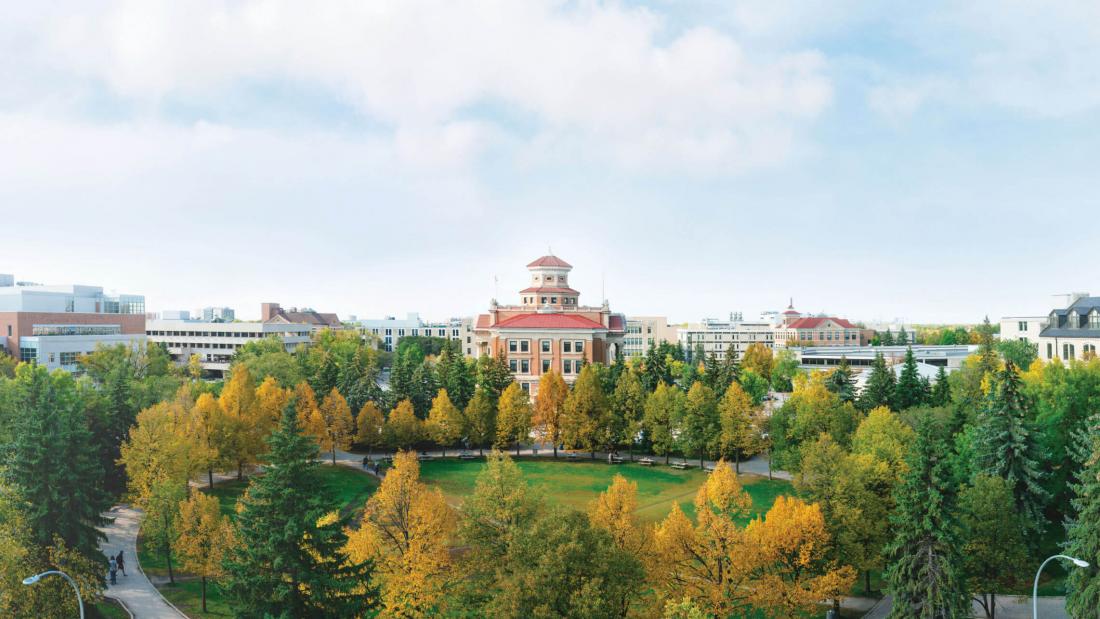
pixel 1073 332
pixel 862 357
pixel 645 331
pixel 390 330
pixel 224 314
pixel 216 342
pixel 717 336
pixel 54 325
pixel 1025 328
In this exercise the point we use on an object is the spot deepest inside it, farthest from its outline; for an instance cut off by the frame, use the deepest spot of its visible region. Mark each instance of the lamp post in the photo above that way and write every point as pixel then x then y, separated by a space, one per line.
pixel 1035 589
pixel 30 580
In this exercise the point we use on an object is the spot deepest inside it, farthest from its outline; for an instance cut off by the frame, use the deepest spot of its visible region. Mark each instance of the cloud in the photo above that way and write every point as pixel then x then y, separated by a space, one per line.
pixel 614 81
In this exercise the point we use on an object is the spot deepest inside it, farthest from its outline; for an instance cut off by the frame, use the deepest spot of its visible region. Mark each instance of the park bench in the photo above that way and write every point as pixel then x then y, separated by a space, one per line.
pixel 467 456
pixel 680 465
pixel 645 461
pixel 425 456
pixel 570 456
pixel 616 460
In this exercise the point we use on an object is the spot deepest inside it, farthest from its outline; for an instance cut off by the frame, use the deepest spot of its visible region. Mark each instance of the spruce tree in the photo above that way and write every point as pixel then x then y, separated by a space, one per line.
pixel 887 338
pixel 908 392
pixel 52 465
pixel 941 391
pixel 1005 448
pixel 903 338
pixel 879 389
pixel 842 382
pixel 1083 525
pixel 925 572
pixel 290 561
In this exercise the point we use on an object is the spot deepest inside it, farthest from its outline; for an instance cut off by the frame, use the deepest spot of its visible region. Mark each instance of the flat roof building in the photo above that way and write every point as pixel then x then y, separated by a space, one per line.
pixel 215 343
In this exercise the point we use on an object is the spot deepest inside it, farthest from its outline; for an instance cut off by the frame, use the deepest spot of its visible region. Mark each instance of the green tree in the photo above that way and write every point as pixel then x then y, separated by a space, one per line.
pixel 290 560
pixel 902 338
pixel 1020 352
pixel 994 540
pixel 925 573
pixel 493 376
pixel 941 390
pixel 755 385
pixel 880 387
pixel 481 420
pixel 456 375
pixel 887 338
pixel 586 412
pixel 784 369
pixel 842 382
pixel 908 392
pixel 661 407
pixel 1006 448
pixel 628 408
pixel 51 466
pixel 698 429
pixel 1083 528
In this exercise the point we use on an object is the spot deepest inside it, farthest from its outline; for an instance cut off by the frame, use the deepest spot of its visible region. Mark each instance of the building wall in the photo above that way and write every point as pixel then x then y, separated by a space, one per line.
pixel 1067 348
pixel 592 352
pixel 391 330
pixel 61 351
pixel 717 336
pixel 16 325
pixel 216 342
pixel 643 331
pixel 1025 328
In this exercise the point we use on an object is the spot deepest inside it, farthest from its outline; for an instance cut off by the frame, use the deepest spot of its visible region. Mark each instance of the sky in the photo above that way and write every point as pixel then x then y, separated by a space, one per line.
pixel 931 162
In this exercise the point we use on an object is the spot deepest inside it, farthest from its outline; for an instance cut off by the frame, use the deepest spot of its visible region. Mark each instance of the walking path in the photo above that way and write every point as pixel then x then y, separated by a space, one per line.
pixel 134 590
pixel 1008 607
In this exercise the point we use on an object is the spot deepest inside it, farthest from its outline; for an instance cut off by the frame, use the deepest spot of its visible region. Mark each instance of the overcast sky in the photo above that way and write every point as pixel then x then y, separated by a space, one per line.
pixel 932 163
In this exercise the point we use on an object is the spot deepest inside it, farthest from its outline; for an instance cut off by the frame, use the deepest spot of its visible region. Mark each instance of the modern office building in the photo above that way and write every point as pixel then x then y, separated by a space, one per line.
pixel 645 331
pixel 717 336
pixel 390 330
pixel 859 357
pixel 53 325
pixel 1072 332
pixel 220 314
pixel 216 342
pixel 549 329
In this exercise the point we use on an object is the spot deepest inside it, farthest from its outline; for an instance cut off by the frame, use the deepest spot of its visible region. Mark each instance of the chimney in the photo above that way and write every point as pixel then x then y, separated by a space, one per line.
pixel 268 311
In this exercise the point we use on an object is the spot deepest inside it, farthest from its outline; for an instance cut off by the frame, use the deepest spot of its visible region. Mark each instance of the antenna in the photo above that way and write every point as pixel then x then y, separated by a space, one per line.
pixel 603 292
pixel 496 287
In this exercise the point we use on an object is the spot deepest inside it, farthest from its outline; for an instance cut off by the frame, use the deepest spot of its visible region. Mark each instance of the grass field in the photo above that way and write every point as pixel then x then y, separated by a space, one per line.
pixel 575 484
pixel 187 596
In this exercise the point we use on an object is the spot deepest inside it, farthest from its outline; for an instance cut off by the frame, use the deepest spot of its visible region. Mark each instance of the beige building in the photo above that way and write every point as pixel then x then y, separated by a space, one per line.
pixel 550 329
pixel 645 331
pixel 799 330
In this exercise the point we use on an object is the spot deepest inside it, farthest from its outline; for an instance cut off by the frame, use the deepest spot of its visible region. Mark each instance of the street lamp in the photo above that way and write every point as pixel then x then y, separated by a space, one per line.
pixel 30 580
pixel 1035 589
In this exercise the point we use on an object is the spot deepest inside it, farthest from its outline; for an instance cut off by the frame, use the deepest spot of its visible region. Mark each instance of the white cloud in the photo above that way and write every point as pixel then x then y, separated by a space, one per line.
pixel 611 78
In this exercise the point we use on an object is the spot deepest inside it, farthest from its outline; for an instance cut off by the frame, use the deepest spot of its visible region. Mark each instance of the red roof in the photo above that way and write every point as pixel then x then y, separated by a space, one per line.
pixel 549 290
pixel 550 261
pixel 616 322
pixel 813 323
pixel 548 321
pixel 482 322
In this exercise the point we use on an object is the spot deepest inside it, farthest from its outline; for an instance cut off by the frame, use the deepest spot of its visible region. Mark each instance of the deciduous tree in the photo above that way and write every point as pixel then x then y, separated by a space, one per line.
pixel 628 409
pixel 204 537
pixel 661 407
pixel 445 422
pixel 549 403
pixel 735 417
pixel 481 420
pixel 758 359
pixel 335 426
pixel 585 413
pixel 698 429
pixel 403 429
pixel 994 540
pixel 369 427
pixel 513 417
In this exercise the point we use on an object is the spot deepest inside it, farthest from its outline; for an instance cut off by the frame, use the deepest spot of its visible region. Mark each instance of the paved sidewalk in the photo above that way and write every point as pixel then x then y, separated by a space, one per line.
pixel 1008 607
pixel 134 590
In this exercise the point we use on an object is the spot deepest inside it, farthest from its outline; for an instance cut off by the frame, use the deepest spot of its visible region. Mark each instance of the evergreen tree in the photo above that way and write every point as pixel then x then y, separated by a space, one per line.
pixel 493 376
pixel 290 561
pixel 879 389
pixel 424 387
pixel 842 382
pixel 50 463
pixel 730 370
pixel 902 338
pixel 1083 528
pixel 698 354
pixel 887 338
pixel 941 391
pixel 925 572
pixel 908 392
pixel 456 376
pixel 1005 448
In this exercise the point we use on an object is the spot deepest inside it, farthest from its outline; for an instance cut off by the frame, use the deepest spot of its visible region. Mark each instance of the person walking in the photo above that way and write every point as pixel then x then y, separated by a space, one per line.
pixel 121 563
pixel 113 566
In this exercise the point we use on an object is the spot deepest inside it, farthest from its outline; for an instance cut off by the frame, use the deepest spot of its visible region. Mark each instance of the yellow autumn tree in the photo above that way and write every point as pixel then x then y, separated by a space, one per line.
pixel 244 430
pixel 513 417
pixel 705 561
pixel 164 446
pixel 788 555
pixel 208 420
pixel 549 404
pixel 445 421
pixel 758 358
pixel 271 399
pixel 204 537
pixel 614 511
pixel 403 429
pixel 332 424
pixel 883 435
pixel 368 427
pixel 735 416
pixel 406 530
pixel 305 403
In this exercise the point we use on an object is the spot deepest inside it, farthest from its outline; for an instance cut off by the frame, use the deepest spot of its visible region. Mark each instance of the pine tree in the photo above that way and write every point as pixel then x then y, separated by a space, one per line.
pixel 879 389
pixel 290 560
pixel 925 572
pixel 941 391
pixel 55 472
pixel 842 382
pixel 903 338
pixel 1005 447
pixel 1083 527
pixel 887 338
pixel 908 392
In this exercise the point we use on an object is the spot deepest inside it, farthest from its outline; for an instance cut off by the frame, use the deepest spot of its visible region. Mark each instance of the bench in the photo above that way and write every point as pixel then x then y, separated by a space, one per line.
pixel 423 457
pixel 467 456
pixel 680 465
pixel 645 461
pixel 570 456
pixel 616 460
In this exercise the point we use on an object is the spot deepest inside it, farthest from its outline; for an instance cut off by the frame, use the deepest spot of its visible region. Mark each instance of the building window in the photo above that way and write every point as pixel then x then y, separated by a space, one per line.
pixel 525 346
pixel 389 331
pixel 543 300
pixel 525 367
pixel 553 299
pixel 526 387
pixel 69 358
pixel 9 330
pixel 1050 350
pixel 400 333
pixel 578 346
pixel 545 345
pixel 416 332
pixel 567 367
pixel 512 346
pixel 567 346
pixel 1022 325
pixel 29 355
pixel 545 366
pixel 1094 321
pixel 512 365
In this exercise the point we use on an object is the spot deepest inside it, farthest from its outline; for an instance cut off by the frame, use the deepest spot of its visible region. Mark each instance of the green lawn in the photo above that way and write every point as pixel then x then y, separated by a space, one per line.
pixel 107 609
pixel 575 484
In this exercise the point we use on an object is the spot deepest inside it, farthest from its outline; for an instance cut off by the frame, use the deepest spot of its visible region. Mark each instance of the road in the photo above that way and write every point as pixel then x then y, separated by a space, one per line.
pixel 134 590
pixel 1008 607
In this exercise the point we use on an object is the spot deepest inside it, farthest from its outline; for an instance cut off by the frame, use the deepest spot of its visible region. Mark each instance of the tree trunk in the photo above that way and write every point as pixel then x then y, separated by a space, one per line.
pixel 700 460
pixel 204 594
pixel 737 461
pixel 517 450
pixel 555 450
pixel 992 606
pixel 168 552
pixel 444 451
pixel 666 459
pixel 210 477
pixel 769 464
pixel 240 470
pixel 333 455
pixel 630 450
pixel 867 581
pixel 593 454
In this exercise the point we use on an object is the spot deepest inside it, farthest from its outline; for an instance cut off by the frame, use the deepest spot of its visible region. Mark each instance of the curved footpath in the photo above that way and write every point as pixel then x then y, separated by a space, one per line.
pixel 134 590
pixel 1008 607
